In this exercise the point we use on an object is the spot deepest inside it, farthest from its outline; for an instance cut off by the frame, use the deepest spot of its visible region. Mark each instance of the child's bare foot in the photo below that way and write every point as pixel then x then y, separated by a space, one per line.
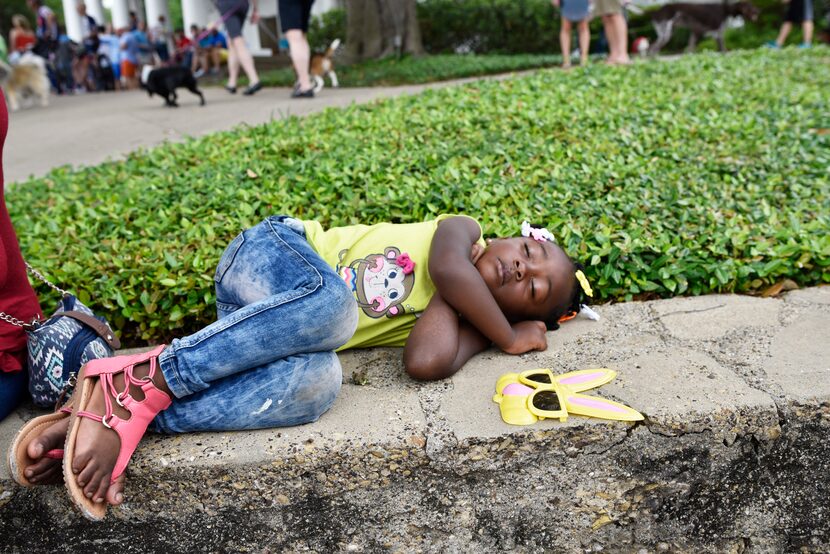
pixel 97 447
pixel 46 470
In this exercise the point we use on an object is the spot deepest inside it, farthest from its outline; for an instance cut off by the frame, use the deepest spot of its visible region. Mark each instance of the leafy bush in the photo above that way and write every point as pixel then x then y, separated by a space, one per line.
pixel 706 174
pixel 409 70
pixel 531 26
pixel 503 26
pixel 326 27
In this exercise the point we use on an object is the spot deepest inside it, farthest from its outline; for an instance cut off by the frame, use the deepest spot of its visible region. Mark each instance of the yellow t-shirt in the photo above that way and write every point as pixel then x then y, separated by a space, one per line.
pixel 386 266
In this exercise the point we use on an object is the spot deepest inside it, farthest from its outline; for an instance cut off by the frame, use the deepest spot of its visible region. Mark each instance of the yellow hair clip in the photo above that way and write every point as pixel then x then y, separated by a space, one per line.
pixel 583 282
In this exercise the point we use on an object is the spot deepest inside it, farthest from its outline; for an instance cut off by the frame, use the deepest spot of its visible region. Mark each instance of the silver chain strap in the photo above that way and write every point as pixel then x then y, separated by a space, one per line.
pixel 19 323
pixel 13 320
pixel 40 276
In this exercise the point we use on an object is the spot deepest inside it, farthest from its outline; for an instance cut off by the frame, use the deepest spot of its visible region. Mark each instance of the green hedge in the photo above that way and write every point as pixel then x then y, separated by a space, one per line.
pixel 531 26
pixel 708 174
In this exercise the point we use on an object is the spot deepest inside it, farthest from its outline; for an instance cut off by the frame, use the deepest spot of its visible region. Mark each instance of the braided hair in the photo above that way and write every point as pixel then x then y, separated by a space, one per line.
pixel 572 304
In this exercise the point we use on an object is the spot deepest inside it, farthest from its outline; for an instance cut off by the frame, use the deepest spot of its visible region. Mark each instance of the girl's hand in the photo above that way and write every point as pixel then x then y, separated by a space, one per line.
pixel 528 335
pixel 255 16
pixel 555 3
pixel 476 252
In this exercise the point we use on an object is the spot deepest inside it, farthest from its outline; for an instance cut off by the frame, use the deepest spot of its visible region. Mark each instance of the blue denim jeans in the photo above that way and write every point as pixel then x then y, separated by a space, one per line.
pixel 269 360
pixel 12 391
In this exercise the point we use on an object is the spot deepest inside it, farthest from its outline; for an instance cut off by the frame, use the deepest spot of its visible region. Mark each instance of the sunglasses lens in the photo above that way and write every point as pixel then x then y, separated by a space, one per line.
pixel 546 400
pixel 539 378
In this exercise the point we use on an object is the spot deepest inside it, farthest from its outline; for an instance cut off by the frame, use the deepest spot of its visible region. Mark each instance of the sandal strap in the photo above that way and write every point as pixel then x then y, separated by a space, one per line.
pixel 132 430
pixel 90 415
pixel 55 454
pixel 142 412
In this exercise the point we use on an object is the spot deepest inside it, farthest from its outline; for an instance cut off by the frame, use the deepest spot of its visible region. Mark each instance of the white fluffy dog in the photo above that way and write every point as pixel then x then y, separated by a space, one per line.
pixel 25 78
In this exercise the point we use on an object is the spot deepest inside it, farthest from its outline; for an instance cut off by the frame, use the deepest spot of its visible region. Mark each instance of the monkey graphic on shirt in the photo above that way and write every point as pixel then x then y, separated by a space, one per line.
pixel 381 282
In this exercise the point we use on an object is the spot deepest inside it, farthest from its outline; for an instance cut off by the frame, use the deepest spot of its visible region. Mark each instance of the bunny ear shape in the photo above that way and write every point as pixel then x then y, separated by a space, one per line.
pixel 506 379
pixel 586 379
pixel 594 406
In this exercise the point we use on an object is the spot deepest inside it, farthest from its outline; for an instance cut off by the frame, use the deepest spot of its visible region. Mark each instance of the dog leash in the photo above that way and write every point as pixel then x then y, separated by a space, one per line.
pixel 268 32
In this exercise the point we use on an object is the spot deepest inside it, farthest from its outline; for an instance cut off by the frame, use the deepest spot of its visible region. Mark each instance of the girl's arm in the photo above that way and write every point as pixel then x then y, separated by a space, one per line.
pixel 440 343
pixel 462 287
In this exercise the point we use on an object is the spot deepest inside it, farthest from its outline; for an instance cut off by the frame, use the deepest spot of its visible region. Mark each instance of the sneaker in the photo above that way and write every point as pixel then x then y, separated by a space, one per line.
pixel 297 93
pixel 804 45
pixel 250 90
pixel 230 89
pixel 771 44
pixel 199 73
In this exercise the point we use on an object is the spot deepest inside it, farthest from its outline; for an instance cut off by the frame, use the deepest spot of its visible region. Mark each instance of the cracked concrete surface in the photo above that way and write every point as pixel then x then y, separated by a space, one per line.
pixel 732 456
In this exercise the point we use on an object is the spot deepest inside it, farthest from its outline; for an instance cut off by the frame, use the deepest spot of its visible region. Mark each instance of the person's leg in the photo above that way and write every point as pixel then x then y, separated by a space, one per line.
pixel 216 59
pixel 12 391
pixel 610 36
pixel 233 66
pixel 565 42
pixel 782 34
pixel 621 37
pixel 291 391
pixel 281 299
pixel 584 41
pixel 300 56
pixel 246 60
pixel 807 31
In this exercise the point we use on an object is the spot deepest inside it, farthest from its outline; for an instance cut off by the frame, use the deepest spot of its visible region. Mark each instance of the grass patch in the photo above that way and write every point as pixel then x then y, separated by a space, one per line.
pixel 708 174
pixel 426 69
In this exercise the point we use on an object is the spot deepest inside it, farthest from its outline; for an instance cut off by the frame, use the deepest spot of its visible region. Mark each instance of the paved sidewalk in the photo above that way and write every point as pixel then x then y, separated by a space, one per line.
pixel 89 129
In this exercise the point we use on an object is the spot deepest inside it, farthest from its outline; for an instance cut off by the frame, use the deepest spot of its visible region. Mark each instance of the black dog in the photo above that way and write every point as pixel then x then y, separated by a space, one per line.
pixel 104 74
pixel 700 19
pixel 165 80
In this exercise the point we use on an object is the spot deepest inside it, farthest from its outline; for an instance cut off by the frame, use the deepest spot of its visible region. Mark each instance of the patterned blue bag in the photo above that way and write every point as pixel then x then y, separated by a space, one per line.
pixel 60 345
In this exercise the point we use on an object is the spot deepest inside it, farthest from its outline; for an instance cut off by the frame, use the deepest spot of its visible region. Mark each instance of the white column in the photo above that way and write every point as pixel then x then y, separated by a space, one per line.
pixel 72 20
pixel 95 8
pixel 194 12
pixel 155 8
pixel 120 14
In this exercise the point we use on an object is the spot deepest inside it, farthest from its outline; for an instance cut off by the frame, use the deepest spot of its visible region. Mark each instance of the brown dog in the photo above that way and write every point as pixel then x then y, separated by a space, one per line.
pixel 321 65
pixel 700 19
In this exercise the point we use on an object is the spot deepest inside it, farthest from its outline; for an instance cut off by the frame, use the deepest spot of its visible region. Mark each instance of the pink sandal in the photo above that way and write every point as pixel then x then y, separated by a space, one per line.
pixel 130 430
pixel 18 456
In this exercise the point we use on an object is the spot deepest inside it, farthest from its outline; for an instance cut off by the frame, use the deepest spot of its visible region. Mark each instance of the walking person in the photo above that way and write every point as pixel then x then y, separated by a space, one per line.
pixel 574 11
pixel 294 18
pixel 798 12
pixel 234 13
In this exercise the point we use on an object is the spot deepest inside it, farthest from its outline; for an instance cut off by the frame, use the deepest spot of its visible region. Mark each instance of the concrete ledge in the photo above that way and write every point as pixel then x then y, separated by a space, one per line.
pixel 733 454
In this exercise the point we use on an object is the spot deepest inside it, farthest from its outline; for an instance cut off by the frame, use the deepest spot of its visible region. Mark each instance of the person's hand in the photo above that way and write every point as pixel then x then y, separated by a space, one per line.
pixel 555 3
pixel 476 252
pixel 527 336
pixel 255 16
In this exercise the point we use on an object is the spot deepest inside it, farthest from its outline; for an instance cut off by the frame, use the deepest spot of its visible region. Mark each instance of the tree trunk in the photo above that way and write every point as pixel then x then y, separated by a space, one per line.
pixel 379 28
